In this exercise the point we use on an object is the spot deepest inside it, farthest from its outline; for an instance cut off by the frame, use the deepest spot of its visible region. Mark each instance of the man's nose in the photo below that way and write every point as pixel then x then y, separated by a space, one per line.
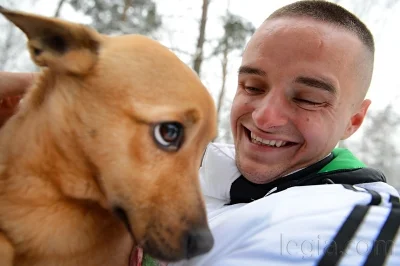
pixel 272 111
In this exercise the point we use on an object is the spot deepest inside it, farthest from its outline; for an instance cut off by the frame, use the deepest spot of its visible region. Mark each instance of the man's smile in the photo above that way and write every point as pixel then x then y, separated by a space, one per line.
pixel 273 142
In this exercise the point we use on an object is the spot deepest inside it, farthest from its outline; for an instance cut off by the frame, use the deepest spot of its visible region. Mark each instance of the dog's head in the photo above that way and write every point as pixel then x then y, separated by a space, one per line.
pixel 140 116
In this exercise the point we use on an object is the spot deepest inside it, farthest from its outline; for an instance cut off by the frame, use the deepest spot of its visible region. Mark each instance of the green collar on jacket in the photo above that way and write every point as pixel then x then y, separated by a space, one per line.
pixel 342 159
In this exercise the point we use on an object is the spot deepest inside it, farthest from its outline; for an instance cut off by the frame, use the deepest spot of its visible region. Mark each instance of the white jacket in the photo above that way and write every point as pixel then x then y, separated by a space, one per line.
pixel 300 225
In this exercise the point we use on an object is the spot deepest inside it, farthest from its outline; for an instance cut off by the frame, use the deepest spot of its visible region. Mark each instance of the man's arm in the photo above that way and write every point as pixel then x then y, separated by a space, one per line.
pixel 13 84
pixel 12 87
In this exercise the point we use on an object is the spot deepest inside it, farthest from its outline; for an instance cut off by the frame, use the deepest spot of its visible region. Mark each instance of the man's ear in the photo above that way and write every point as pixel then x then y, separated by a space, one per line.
pixel 62 46
pixel 357 119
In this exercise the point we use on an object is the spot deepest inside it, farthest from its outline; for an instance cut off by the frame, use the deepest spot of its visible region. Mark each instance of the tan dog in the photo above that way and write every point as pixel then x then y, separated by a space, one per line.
pixel 114 125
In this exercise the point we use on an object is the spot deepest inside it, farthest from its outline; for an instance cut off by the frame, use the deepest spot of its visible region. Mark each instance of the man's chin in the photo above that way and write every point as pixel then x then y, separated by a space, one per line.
pixel 248 169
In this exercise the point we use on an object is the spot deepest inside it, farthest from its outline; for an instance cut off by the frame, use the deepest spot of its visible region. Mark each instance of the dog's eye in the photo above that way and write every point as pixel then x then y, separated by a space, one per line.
pixel 168 135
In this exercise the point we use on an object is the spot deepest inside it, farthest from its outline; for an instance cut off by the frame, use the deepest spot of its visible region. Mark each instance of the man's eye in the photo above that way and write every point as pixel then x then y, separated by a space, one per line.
pixel 252 90
pixel 308 102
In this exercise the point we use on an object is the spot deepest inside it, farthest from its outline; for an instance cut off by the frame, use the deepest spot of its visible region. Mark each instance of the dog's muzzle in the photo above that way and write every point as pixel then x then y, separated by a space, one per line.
pixel 199 241
pixel 196 241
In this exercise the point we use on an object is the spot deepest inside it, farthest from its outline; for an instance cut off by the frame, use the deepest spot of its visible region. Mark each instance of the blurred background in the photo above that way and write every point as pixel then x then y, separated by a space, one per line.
pixel 209 35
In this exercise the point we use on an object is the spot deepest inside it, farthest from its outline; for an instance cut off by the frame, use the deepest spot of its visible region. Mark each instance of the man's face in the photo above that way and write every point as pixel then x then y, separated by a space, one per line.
pixel 299 92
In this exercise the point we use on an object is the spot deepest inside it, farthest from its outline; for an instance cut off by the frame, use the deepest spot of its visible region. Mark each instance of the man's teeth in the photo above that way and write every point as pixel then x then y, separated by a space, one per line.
pixel 272 143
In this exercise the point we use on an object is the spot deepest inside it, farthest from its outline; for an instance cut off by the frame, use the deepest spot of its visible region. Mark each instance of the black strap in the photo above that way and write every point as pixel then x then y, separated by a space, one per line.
pixel 337 247
pixel 394 200
pixel 376 198
pixel 350 187
pixel 382 246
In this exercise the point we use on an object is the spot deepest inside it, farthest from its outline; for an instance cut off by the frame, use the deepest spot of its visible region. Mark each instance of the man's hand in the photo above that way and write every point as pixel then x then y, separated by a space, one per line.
pixel 12 88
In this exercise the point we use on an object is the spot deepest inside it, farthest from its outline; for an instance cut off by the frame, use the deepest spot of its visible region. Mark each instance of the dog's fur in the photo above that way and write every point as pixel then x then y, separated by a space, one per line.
pixel 82 144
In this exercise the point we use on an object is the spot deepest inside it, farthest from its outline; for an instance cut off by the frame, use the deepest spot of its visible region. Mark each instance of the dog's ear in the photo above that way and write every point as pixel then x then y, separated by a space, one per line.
pixel 59 45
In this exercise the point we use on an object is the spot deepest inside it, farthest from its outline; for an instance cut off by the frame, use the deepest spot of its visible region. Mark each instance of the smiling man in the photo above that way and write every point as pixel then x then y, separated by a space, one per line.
pixel 282 194
pixel 301 88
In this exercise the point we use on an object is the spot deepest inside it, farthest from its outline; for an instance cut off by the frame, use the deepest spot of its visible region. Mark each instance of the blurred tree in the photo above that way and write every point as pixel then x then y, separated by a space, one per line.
pixel 377 147
pixel 364 8
pixel 10 45
pixel 198 56
pixel 237 30
pixel 59 7
pixel 121 16
pixel 224 126
pixel 13 42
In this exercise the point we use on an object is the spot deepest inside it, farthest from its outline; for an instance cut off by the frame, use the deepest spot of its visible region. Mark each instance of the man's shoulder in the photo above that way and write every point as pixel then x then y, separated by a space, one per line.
pixel 221 150
pixel 279 227
pixel 346 168
pixel 218 170
pixel 219 156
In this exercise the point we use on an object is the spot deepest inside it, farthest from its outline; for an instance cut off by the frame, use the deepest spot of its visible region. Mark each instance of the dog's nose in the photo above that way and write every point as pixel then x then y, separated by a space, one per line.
pixel 199 241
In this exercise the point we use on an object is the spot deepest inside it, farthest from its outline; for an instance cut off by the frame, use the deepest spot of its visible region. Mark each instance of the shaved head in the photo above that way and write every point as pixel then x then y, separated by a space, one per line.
pixel 334 14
